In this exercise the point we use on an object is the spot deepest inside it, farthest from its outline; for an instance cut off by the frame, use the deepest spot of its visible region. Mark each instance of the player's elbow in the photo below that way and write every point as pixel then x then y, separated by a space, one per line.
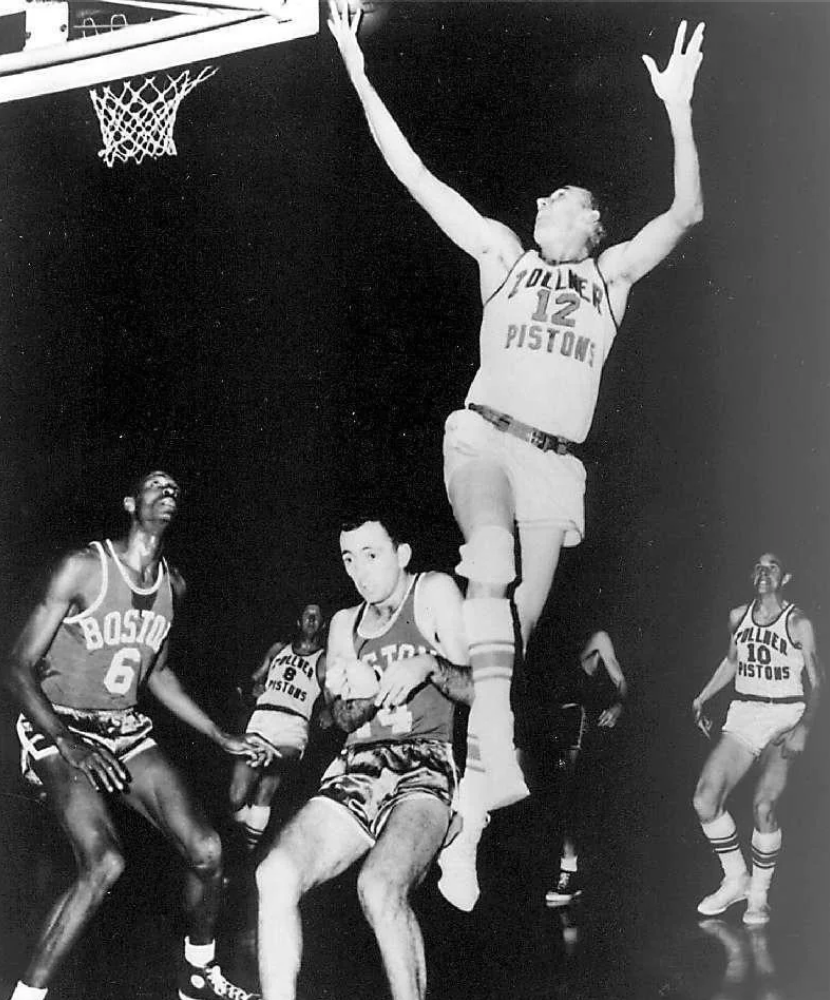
pixel 688 214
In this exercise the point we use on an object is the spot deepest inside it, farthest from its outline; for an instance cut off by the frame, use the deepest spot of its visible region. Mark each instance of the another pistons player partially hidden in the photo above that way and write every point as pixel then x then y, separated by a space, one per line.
pixel 96 638
pixel 287 685
pixel 772 650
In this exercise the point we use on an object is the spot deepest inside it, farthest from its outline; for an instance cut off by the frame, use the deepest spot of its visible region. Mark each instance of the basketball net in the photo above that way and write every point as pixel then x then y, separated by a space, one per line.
pixel 137 118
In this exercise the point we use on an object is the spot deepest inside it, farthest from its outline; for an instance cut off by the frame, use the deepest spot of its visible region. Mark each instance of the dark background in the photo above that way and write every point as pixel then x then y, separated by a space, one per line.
pixel 270 318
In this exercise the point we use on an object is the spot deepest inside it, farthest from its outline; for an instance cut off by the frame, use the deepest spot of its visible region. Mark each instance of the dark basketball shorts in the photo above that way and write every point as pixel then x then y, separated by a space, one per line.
pixel 124 732
pixel 568 727
pixel 369 780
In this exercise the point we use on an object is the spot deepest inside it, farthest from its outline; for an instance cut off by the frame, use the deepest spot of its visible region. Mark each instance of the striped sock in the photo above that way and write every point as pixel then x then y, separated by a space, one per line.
pixel 723 836
pixel 765 850
pixel 489 627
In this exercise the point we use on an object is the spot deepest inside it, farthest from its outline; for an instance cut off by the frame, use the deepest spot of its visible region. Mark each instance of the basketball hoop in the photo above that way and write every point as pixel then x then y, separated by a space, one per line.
pixel 137 118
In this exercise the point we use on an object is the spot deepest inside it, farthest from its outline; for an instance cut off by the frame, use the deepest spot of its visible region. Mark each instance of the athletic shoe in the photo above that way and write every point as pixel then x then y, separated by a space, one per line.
pixel 208 983
pixel 567 889
pixel 459 880
pixel 756 913
pixel 731 890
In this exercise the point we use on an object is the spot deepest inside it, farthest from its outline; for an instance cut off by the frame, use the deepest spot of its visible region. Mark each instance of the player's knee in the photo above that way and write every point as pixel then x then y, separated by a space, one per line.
pixel 763 811
pixel 380 896
pixel 277 877
pixel 205 853
pixel 101 870
pixel 706 801
pixel 487 556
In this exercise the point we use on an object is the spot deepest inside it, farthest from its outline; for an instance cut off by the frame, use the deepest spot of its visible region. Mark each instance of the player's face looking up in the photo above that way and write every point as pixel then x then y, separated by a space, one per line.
pixel 156 499
pixel 567 208
pixel 375 564
pixel 768 574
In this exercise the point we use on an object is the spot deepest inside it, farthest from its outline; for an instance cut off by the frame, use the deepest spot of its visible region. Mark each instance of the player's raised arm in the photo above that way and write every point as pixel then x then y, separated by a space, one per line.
pixel 628 262
pixel 463 224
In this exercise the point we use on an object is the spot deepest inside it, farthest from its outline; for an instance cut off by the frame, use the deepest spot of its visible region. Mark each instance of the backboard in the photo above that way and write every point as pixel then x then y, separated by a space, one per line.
pixel 48 46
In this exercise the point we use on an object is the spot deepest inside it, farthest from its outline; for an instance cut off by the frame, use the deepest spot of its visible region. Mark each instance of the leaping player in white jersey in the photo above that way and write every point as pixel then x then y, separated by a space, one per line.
pixel 550 317
pixel 287 685
pixel 771 648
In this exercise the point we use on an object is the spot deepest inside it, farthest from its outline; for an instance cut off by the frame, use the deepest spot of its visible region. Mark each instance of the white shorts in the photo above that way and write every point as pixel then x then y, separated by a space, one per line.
pixel 756 723
pixel 548 489
pixel 279 728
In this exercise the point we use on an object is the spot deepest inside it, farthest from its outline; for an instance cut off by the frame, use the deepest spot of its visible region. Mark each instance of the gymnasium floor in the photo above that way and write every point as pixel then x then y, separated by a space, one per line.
pixel 634 935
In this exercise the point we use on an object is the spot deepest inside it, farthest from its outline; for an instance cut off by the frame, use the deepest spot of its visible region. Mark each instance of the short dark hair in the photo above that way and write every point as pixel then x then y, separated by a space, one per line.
pixel 138 483
pixel 388 519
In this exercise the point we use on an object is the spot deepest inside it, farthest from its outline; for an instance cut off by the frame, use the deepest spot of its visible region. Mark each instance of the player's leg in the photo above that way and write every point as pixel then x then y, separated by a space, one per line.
pixel 726 765
pixel 318 843
pixel 245 780
pixel 541 545
pixel 159 793
pixel 766 834
pixel 259 815
pixel 482 501
pixel 568 886
pixel 84 815
pixel 396 864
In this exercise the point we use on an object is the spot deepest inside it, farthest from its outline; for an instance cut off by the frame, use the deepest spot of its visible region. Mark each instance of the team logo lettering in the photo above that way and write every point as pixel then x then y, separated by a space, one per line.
pixel 132 628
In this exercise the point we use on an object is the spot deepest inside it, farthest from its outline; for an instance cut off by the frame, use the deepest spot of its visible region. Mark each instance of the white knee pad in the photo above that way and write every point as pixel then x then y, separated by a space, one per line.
pixel 488 556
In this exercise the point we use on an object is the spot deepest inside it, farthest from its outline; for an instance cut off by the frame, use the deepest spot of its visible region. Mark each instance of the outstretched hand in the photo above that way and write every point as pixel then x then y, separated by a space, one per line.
pixel 343 24
pixel 675 84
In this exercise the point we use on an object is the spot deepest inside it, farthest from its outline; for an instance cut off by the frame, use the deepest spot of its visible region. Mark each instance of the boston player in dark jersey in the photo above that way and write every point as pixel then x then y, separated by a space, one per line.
pixel 98 635
pixel 772 650
pixel 395 665
pixel 286 684
pixel 550 316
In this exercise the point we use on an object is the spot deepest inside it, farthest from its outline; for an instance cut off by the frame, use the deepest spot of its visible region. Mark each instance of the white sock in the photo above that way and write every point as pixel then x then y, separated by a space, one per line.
pixel 723 836
pixel 765 850
pixel 568 864
pixel 199 955
pixel 24 992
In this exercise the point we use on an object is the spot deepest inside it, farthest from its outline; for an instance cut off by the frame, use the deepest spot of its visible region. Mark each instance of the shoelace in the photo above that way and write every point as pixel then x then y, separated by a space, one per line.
pixel 223 988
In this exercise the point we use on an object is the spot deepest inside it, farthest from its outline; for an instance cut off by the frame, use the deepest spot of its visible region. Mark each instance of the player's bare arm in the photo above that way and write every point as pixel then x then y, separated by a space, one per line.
pixel 725 670
pixel 165 685
pixel 626 263
pixel 71 587
pixel 601 642
pixel 801 630
pixel 494 245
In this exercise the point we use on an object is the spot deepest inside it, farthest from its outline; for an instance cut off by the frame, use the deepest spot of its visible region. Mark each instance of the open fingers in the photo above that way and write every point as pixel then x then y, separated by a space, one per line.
pixel 105 771
pixel 679 39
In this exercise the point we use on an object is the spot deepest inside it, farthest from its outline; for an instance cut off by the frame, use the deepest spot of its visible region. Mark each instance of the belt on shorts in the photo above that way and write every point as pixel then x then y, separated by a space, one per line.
pixel 539 439
pixel 789 700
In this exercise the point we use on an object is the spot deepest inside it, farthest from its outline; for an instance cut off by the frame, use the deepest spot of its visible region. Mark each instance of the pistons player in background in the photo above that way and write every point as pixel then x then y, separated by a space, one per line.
pixel 99 635
pixel 286 685
pixel 395 666
pixel 772 651
pixel 550 316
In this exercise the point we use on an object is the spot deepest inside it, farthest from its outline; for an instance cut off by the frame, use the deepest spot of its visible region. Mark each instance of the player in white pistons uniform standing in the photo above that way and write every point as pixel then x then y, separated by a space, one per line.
pixel 772 650
pixel 287 684
pixel 550 316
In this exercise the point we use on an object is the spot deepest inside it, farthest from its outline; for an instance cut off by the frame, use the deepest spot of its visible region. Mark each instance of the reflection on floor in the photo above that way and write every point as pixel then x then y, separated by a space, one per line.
pixel 634 934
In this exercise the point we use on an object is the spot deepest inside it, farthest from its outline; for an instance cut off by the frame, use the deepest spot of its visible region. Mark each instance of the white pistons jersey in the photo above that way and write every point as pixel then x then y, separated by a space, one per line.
pixel 545 335
pixel 291 684
pixel 770 665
